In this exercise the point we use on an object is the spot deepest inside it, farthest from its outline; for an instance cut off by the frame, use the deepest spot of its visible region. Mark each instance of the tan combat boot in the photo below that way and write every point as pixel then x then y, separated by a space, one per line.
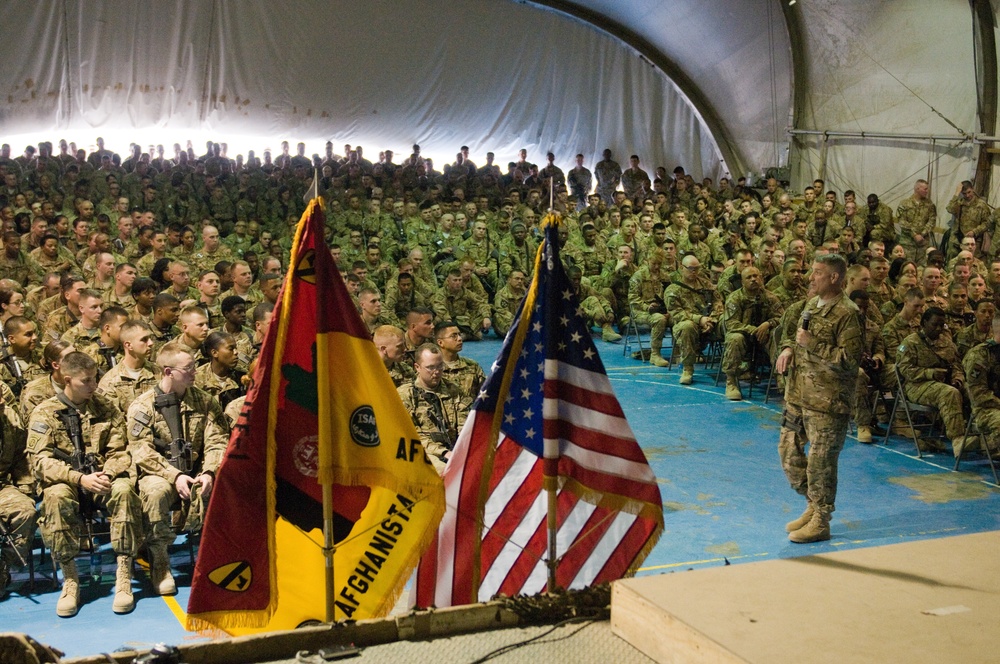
pixel 656 359
pixel 608 333
pixel 159 570
pixel 124 602
pixel 687 374
pixel 817 530
pixel 865 434
pixel 733 392
pixel 803 519
pixel 69 599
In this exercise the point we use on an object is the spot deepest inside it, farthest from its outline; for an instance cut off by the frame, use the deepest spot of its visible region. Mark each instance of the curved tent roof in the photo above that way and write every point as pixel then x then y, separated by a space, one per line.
pixel 715 87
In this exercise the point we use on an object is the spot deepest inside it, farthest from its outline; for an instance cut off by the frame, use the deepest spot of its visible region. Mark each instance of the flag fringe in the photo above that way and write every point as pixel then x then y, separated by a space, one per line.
pixel 226 620
pixel 612 501
pixel 646 549
pixel 389 482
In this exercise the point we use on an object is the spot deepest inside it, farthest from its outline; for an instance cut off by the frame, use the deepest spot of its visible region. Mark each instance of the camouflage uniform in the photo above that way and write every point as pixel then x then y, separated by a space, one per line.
pixel 481 254
pixel 880 224
pixel 918 360
pixel 874 348
pixel 35 392
pixel 686 306
pixel 398 306
pixel 464 307
pixel 595 305
pixel 973 216
pixel 819 394
pixel 233 410
pixel 161 336
pixel 513 257
pixel 590 259
pixel 23 269
pixel 505 306
pixel 225 389
pixel 916 218
pixel 438 416
pixel 402 373
pixel 17 486
pixel 982 369
pixel 645 290
pixel 969 337
pixel 58 322
pixel 785 293
pixel 202 260
pixel 120 388
pixel 204 426
pixel 51 453
pixel 466 374
pixel 609 175
pixel 30 370
pixel 86 341
pixel 743 314
pixel 126 301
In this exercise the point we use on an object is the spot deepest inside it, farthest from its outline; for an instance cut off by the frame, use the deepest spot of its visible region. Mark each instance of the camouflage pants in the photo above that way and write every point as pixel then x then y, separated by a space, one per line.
pixel 657 327
pixel 62 524
pixel 862 401
pixel 947 400
pixel 989 423
pixel 687 341
pixel 914 252
pixel 596 310
pixel 812 474
pixel 159 499
pixel 18 517
pixel 736 350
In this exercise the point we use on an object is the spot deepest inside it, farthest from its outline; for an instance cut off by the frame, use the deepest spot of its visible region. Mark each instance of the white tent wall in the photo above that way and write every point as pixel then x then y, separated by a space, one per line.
pixel 993 195
pixel 493 75
pixel 887 67
pixel 737 56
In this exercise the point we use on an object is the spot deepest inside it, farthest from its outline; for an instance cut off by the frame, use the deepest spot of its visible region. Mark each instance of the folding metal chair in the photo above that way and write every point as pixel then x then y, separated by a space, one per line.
pixel 633 328
pixel 910 408
pixel 772 376
pixel 972 430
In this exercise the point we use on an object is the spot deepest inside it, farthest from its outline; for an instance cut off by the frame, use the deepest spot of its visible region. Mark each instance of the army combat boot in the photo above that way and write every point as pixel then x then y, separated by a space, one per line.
pixel 817 530
pixel 803 519
pixel 69 599
pixel 124 602
pixel 656 346
pixel 656 359
pixel 687 373
pixel 159 570
pixel 733 392
pixel 608 333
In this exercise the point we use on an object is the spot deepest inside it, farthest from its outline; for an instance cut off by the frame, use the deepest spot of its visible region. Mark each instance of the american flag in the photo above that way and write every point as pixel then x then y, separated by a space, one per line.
pixel 548 389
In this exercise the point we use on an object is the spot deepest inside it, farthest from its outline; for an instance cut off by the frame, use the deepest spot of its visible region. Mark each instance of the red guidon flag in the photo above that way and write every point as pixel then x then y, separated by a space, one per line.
pixel 322 409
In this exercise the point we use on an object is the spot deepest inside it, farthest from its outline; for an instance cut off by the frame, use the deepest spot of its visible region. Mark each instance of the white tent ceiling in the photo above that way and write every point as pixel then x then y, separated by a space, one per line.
pixel 714 86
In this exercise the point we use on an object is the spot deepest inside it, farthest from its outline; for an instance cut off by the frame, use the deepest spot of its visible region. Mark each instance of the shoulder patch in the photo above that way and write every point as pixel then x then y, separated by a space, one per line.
pixel 136 429
pixel 142 417
pixel 40 428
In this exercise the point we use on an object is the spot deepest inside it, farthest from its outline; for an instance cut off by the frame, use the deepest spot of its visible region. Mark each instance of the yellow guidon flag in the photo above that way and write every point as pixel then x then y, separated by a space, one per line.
pixel 321 410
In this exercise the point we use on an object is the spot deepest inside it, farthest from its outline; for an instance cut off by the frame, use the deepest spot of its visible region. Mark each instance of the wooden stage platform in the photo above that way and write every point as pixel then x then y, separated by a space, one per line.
pixel 929 601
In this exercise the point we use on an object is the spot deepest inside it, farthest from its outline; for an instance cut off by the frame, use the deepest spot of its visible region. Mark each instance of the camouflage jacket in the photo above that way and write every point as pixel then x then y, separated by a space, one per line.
pixel 204 425
pixel 825 372
pixel 52 451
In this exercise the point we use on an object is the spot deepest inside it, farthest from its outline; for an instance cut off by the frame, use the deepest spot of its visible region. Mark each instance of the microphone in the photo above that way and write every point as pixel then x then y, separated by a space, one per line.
pixel 806 316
